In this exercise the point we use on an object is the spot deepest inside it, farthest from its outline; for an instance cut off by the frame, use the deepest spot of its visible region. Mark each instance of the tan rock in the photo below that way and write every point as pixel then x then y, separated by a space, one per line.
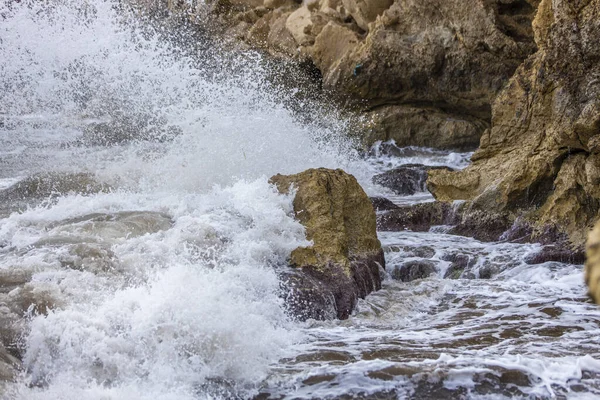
pixel 366 11
pixel 340 221
pixel 421 126
pixel 299 24
pixel 540 154
pixel 332 44
pixel 592 264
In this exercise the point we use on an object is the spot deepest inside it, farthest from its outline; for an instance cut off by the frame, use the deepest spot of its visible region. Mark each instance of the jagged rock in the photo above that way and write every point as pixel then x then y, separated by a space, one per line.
pixel 405 180
pixel 366 11
pixel 540 157
pixel 424 71
pixel 343 262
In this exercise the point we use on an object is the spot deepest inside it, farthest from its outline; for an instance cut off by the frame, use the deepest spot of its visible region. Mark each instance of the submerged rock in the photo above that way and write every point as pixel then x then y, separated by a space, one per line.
pixel 9 365
pixel 343 263
pixel 50 184
pixel 34 189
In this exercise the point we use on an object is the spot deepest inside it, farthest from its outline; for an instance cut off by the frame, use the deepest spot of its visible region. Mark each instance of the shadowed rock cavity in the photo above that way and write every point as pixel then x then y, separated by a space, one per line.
pixel 343 264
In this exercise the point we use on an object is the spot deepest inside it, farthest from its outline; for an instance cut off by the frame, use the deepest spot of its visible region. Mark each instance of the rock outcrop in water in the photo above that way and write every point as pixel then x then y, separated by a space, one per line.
pixel 425 72
pixel 592 264
pixel 344 261
pixel 541 156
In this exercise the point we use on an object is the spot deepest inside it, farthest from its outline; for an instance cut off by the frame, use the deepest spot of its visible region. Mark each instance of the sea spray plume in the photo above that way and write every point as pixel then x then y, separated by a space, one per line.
pixel 172 319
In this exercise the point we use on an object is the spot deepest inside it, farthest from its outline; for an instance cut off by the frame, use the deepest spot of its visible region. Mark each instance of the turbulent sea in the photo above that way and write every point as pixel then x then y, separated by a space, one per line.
pixel 140 239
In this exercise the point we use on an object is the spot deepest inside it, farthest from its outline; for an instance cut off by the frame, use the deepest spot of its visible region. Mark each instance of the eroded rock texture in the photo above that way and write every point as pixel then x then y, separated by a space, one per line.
pixel 343 262
pixel 425 72
pixel 541 155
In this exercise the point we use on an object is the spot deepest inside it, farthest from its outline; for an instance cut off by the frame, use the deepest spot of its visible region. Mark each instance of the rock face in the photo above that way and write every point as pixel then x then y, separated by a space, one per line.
pixel 425 72
pixel 540 157
pixel 344 261
pixel 592 265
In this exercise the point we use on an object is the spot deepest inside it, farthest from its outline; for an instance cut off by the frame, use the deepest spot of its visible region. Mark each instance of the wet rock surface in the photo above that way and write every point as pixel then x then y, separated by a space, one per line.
pixel 343 263
pixel 413 270
pixel 382 204
pixel 405 180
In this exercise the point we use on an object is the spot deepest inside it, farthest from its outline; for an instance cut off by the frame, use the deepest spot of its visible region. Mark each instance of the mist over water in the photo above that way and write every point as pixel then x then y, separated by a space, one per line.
pixel 188 306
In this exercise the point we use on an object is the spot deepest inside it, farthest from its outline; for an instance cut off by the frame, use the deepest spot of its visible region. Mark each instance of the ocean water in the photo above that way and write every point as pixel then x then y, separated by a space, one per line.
pixel 139 256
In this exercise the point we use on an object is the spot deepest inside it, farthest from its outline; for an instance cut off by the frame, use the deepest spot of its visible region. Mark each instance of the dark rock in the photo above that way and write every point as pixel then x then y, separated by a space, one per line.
pixel 423 252
pixel 558 254
pixel 483 226
pixel 314 293
pixel 459 263
pixel 488 271
pixel 418 218
pixel 413 270
pixel 382 204
pixel 405 180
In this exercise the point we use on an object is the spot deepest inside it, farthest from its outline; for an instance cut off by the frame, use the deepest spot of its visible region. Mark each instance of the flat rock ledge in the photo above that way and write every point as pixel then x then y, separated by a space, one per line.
pixel 326 279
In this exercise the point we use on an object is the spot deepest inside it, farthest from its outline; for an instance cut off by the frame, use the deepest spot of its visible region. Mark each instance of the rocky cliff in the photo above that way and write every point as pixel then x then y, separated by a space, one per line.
pixel 541 157
pixel 423 72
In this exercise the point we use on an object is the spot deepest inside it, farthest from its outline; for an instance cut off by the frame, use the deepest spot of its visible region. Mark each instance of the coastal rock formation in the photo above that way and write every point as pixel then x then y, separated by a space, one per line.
pixel 344 261
pixel 424 72
pixel 592 264
pixel 541 156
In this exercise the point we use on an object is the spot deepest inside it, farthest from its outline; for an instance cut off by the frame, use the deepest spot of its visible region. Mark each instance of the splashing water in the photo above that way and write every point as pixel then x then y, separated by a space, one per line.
pixel 186 306
pixel 148 268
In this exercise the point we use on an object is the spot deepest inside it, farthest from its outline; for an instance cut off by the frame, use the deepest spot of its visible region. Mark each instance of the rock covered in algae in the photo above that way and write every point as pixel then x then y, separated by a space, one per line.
pixel 343 262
